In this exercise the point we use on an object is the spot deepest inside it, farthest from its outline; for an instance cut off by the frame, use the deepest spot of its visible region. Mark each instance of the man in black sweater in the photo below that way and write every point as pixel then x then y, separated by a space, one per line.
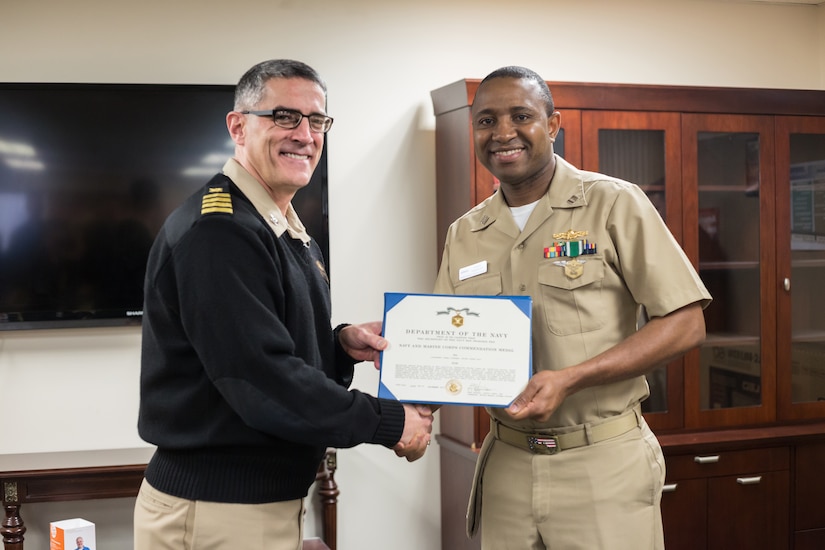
pixel 243 379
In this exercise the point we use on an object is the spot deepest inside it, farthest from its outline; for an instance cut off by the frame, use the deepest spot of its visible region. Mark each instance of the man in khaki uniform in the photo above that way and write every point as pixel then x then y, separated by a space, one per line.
pixel 571 463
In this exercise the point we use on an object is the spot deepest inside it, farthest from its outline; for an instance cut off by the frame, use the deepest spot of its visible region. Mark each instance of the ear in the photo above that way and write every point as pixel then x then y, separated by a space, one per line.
pixel 554 125
pixel 236 124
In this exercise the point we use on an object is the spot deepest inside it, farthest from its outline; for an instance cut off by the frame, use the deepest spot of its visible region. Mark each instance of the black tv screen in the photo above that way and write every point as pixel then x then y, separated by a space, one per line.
pixel 88 174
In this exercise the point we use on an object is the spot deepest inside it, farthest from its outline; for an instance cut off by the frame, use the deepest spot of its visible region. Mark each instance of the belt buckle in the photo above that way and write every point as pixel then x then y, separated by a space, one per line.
pixel 544 445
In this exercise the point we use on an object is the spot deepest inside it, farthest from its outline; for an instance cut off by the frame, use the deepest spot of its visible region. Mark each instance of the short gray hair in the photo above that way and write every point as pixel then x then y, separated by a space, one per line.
pixel 252 85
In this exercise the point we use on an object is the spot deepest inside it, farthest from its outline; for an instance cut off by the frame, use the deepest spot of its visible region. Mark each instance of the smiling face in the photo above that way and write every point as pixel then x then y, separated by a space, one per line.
pixel 513 135
pixel 281 159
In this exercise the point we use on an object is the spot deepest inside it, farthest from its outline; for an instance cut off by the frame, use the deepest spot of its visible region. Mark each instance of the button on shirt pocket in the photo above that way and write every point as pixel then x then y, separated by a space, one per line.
pixel 572 305
pixel 480 285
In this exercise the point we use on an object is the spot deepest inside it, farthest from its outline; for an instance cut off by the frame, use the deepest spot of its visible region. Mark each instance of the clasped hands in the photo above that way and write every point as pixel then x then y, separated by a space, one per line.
pixel 364 342
pixel 418 427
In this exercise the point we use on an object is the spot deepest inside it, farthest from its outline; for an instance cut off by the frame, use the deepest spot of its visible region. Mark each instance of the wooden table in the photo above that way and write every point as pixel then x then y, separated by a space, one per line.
pixel 86 475
pixel 65 476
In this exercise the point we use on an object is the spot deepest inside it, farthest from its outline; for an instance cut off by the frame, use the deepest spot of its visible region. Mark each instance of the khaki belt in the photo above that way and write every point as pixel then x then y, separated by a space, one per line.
pixel 550 444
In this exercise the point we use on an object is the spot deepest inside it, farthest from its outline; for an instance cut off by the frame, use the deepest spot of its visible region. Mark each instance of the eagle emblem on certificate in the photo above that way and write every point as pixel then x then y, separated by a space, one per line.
pixel 457 319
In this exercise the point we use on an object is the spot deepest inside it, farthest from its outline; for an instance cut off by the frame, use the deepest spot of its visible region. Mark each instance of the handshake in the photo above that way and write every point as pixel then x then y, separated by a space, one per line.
pixel 418 426
pixel 363 342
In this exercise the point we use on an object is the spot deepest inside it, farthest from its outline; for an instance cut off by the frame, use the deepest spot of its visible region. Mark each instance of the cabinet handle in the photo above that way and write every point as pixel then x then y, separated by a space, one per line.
pixel 706 459
pixel 749 480
pixel 669 487
pixel 787 284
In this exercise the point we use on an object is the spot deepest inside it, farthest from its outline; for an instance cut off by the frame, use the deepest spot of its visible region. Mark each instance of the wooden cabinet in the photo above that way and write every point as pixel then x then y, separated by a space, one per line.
pixel 729 219
pixel 644 147
pixel 755 488
pixel 809 491
pixel 800 266
pixel 738 175
pixel 706 492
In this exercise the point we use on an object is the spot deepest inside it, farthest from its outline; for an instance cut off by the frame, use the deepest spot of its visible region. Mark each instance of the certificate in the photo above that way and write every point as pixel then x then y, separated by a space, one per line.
pixel 455 350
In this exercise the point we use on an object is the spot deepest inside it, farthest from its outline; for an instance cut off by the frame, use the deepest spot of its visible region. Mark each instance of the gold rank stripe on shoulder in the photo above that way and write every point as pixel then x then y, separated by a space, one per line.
pixel 216 201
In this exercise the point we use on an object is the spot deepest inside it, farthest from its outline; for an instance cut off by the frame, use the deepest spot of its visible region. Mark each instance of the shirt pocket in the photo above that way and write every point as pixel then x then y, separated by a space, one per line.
pixel 573 306
pixel 481 285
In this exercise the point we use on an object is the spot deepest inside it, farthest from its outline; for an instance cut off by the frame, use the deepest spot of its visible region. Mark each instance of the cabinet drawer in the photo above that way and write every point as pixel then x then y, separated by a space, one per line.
pixel 749 511
pixel 810 488
pixel 809 540
pixel 710 464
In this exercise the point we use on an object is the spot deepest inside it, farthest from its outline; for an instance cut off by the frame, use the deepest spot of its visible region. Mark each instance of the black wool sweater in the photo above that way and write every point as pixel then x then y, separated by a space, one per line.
pixel 243 384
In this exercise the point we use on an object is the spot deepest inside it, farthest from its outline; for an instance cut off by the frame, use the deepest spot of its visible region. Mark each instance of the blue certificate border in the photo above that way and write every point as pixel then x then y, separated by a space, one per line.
pixel 392 299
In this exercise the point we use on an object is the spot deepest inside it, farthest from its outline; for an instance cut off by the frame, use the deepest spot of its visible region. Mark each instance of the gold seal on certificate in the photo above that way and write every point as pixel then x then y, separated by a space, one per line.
pixel 454 387
pixel 457 350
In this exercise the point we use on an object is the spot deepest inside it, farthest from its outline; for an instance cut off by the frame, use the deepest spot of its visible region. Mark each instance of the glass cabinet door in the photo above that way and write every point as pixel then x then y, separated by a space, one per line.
pixel 643 148
pixel 800 180
pixel 729 227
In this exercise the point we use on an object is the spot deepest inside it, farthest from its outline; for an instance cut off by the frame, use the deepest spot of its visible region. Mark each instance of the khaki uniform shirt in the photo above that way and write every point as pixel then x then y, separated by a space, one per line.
pixel 264 204
pixel 637 263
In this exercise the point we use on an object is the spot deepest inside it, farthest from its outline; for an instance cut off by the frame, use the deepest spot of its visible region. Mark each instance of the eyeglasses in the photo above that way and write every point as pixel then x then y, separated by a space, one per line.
pixel 289 119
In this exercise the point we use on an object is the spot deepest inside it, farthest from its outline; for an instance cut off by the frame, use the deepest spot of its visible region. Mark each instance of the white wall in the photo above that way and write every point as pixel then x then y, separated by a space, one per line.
pixel 381 59
pixel 819 22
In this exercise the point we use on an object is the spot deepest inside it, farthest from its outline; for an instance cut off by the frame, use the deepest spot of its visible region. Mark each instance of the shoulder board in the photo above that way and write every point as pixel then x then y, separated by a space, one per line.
pixel 216 200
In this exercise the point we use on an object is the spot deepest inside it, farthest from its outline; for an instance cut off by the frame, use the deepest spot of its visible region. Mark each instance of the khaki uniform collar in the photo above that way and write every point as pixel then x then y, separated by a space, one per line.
pixel 264 204
pixel 566 191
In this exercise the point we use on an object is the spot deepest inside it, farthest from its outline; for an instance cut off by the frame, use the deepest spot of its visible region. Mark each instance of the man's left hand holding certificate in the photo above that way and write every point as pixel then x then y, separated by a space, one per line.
pixel 455 350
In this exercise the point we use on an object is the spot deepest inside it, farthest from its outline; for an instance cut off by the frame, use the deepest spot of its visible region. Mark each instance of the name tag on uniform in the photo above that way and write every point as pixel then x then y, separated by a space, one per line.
pixel 472 270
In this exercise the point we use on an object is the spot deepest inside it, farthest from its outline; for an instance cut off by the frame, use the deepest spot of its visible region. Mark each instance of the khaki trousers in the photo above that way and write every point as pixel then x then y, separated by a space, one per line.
pixel 164 522
pixel 604 496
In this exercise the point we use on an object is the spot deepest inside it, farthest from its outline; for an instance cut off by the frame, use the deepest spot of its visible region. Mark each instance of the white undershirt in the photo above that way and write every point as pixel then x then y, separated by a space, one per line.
pixel 522 213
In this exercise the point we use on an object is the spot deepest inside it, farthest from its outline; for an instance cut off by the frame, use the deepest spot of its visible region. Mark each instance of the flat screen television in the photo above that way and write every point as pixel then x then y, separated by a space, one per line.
pixel 88 173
